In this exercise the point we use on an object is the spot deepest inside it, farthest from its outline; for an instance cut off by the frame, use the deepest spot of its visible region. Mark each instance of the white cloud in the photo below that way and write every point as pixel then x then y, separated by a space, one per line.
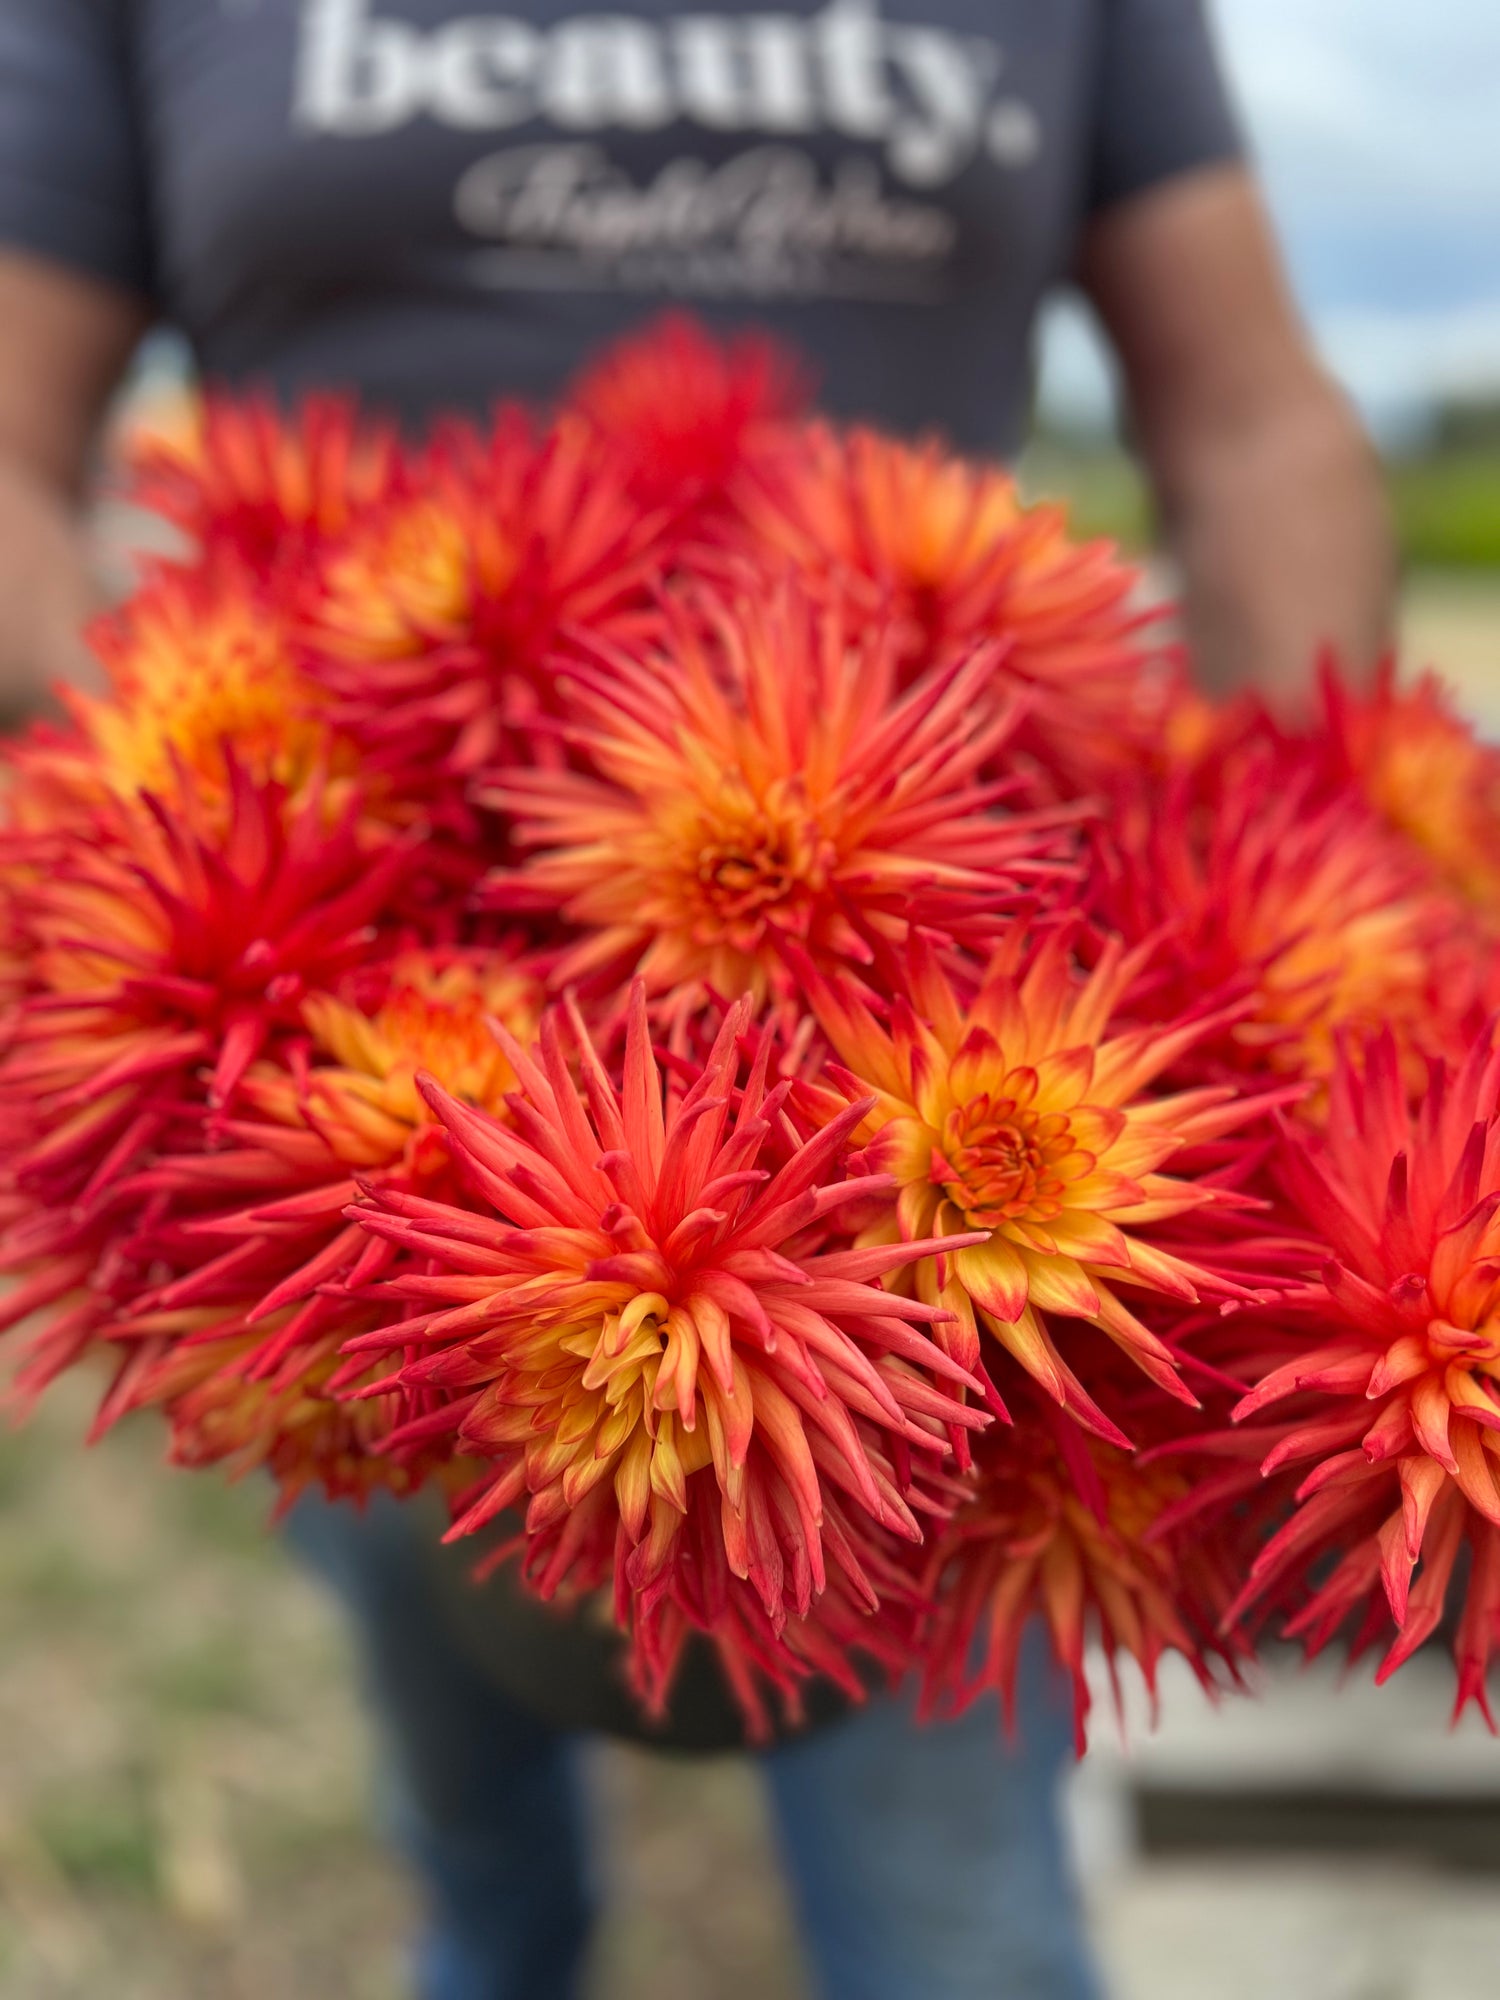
pixel 1354 103
pixel 1375 125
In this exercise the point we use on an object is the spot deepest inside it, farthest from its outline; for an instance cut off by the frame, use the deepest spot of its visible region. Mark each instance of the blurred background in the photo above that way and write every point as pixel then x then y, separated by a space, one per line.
pixel 1376 129
pixel 185 1782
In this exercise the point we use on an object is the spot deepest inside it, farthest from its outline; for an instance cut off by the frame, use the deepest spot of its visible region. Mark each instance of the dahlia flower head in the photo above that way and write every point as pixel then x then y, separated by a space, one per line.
pixel 1023 1104
pixel 1063 1531
pixel 650 1321
pixel 1407 751
pixel 758 788
pixel 1378 1390
pixel 955 556
pixel 689 418
pixel 1260 877
pixel 699 981
pixel 240 1338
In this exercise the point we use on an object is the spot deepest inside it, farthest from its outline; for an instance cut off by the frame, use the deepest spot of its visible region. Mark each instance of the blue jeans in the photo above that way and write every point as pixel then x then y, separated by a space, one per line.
pixel 925 1864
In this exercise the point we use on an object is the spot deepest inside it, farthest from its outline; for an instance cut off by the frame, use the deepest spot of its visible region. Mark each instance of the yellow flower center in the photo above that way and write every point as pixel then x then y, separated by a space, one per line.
pixel 192 684
pixel 615 1421
pixel 411 581
pixel 435 1018
pixel 1000 1160
pixel 753 861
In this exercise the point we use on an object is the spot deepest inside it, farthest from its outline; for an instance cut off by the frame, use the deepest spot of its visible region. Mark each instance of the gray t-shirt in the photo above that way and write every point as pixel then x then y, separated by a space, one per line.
pixel 433 203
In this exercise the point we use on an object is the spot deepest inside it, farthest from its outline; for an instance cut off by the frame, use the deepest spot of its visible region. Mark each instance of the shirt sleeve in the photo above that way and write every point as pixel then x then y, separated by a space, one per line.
pixel 72 184
pixel 1163 107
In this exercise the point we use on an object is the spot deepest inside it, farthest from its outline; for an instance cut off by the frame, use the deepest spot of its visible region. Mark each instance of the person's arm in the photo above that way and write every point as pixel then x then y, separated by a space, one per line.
pixel 1268 492
pixel 64 342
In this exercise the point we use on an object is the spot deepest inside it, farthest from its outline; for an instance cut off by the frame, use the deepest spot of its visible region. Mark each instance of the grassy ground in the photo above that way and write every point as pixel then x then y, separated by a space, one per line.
pixel 184 1800
pixel 1446 504
pixel 184 1768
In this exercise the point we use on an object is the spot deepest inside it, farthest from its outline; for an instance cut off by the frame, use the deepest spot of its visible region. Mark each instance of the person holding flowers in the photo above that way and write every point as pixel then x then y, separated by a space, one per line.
pixel 584 1227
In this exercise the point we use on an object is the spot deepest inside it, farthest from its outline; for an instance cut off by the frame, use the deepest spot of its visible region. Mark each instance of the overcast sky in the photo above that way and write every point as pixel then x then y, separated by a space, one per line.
pixel 1376 127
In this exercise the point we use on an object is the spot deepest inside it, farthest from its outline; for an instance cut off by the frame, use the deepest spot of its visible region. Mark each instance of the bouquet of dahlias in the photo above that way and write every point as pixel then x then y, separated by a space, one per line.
pixel 703 982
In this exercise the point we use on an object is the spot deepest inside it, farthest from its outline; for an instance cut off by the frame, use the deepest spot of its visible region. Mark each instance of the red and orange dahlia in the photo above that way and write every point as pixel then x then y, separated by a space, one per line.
pixel 980 950
pixel 648 1321
pixel 1026 1110
pixel 1390 1365
pixel 203 672
pixel 1067 1531
pixel 1425 772
pixel 436 620
pixel 168 946
pixel 263 485
pixel 761 783
pixel 1258 880
pixel 951 549
pixel 688 417
pixel 239 1337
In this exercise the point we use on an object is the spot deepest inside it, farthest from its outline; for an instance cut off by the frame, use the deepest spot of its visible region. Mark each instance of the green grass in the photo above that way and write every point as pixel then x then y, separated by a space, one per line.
pixel 1448 510
pixel 1102 488
pixel 212 1677
pixel 1446 505
pixel 222 1516
pixel 98 1838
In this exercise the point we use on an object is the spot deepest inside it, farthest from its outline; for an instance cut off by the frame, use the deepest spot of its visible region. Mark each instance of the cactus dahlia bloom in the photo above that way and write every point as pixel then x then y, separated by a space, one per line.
pixel 1421 767
pixel 433 620
pixel 761 784
pixel 687 414
pixel 953 550
pixel 646 1320
pixel 263 486
pixel 241 1343
pixel 1394 1362
pixel 1030 1114
pixel 1065 1529
pixel 289 1423
pixel 1303 901
pixel 347 1104
pixel 201 669
pixel 869 1616
pixel 168 943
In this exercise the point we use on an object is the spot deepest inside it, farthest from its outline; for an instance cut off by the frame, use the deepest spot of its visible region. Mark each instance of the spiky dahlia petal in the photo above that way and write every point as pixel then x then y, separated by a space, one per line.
pixel 761 783
pixel 1386 1409
pixel 433 622
pixel 1028 1111
pixel 1067 1531
pixel 647 1320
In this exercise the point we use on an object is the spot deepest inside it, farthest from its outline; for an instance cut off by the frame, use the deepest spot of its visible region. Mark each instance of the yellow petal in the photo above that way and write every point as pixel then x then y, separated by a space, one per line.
pixel 994 1275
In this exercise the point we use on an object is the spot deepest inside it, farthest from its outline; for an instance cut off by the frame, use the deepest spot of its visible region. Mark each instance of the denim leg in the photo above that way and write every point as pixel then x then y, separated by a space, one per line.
pixel 928 1863
pixel 486 1800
